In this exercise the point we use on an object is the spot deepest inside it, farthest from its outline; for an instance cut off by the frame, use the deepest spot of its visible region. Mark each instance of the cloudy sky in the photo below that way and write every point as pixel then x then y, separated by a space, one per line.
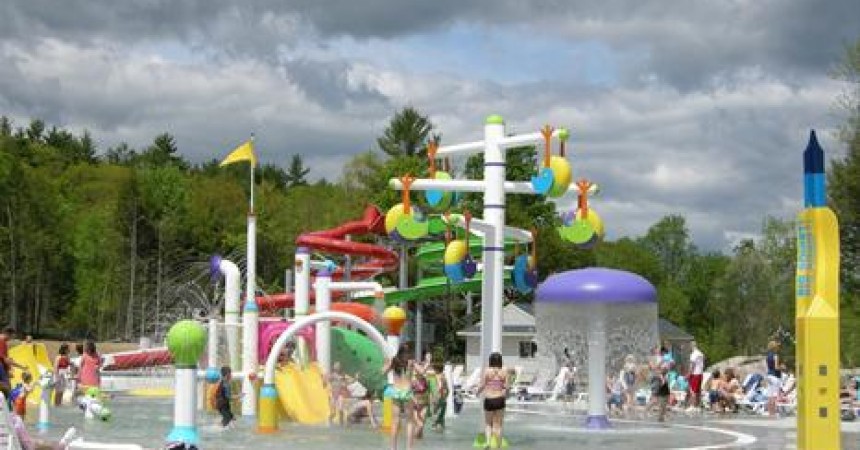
pixel 701 108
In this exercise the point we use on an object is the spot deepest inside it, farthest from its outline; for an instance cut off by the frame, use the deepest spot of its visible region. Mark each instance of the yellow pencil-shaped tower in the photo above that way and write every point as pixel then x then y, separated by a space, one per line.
pixel 817 316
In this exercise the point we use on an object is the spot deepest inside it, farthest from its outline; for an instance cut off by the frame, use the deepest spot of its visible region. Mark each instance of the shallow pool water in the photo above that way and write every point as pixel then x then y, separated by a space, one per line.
pixel 147 422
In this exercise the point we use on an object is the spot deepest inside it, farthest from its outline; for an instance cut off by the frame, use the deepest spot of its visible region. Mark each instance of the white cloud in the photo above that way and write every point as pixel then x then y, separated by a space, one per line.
pixel 708 118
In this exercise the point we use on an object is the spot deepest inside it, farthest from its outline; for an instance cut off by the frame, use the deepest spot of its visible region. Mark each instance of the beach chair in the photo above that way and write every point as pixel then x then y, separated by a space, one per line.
pixel 533 386
pixel 471 385
pixel 754 399
pixel 787 405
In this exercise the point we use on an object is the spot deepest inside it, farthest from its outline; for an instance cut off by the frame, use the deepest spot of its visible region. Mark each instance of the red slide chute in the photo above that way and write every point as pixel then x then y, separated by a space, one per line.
pixel 136 359
pixel 333 241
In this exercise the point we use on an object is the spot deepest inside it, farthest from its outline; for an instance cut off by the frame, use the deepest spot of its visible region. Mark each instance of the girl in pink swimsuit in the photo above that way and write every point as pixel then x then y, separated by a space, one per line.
pixel 90 364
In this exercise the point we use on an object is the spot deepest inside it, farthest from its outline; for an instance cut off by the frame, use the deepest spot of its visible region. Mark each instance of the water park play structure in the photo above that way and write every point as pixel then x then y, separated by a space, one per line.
pixel 553 179
pixel 295 389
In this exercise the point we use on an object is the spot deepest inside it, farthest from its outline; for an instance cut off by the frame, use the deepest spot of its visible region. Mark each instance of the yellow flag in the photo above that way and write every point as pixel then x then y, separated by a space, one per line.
pixel 244 152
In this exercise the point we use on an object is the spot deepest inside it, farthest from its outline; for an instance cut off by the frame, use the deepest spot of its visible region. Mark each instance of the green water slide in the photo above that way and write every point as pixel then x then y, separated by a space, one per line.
pixel 357 354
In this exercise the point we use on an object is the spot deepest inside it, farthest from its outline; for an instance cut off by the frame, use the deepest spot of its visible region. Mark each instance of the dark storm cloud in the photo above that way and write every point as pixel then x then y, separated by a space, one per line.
pixel 684 43
pixel 707 118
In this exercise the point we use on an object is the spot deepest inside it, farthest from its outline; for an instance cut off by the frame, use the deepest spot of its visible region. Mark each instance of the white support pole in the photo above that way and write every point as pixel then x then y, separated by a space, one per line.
pixel 419 331
pixel 597 368
pixel 323 330
pixel 302 270
pixel 448 370
pixel 184 415
pixel 212 348
pixel 469 147
pixel 211 362
pixel 494 215
pixel 288 287
pixel 231 311
pixel 44 422
pixel 250 326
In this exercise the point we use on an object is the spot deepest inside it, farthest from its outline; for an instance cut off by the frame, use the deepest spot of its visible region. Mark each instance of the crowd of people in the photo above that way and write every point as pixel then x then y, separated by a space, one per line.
pixel 68 377
pixel 659 385
pixel 419 391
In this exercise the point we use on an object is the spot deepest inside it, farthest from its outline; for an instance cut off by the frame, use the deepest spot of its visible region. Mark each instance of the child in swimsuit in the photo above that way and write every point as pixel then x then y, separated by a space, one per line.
pixel 494 384
pixel 400 392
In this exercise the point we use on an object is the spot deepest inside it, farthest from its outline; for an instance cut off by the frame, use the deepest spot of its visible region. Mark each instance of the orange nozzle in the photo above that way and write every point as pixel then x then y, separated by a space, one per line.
pixel 546 131
pixel 582 200
pixel 432 146
pixel 407 183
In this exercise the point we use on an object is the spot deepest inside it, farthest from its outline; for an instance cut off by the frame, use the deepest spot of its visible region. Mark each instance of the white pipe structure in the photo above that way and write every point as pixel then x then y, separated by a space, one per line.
pixel 302 271
pixel 511 187
pixel 46 382
pixel 250 324
pixel 212 370
pixel 372 333
pixel 184 415
pixel 323 288
pixel 482 227
pixel 597 369
pixel 448 370
pixel 231 310
pixel 494 187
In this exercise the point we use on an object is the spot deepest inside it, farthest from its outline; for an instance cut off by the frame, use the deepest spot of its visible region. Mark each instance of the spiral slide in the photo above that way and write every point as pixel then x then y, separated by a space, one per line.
pixel 303 393
pixel 334 241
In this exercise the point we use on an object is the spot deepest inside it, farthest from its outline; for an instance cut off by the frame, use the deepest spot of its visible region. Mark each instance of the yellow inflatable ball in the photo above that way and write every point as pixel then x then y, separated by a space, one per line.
pixel 393 216
pixel 455 252
pixel 562 176
pixel 593 219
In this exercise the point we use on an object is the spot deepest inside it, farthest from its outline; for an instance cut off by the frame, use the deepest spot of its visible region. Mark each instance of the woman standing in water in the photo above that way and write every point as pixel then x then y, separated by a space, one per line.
pixel 494 385
pixel 400 392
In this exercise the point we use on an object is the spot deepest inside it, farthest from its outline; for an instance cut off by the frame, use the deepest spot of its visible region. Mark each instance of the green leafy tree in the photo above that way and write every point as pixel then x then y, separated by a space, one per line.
pixel 297 172
pixel 162 152
pixel 740 309
pixel 630 255
pixel 844 198
pixel 669 239
pixel 407 134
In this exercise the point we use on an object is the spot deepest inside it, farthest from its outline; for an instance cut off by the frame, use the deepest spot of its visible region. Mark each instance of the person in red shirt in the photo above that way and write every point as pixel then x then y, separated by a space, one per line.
pixel 6 363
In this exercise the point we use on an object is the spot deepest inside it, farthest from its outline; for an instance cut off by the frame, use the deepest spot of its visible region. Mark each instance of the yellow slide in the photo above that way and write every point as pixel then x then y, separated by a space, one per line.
pixel 31 356
pixel 303 393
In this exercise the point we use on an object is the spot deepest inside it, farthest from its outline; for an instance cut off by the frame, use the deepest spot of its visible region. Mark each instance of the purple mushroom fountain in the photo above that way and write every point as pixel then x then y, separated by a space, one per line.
pixel 604 314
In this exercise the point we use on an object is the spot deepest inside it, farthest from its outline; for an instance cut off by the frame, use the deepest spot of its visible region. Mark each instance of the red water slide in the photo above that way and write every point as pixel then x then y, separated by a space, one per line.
pixel 136 359
pixel 333 241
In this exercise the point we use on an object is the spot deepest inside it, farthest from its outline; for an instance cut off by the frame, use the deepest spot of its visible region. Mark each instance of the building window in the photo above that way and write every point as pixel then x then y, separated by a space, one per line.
pixel 528 349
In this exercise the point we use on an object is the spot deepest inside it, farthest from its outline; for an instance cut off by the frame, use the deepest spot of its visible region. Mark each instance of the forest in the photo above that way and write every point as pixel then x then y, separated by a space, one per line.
pixel 114 243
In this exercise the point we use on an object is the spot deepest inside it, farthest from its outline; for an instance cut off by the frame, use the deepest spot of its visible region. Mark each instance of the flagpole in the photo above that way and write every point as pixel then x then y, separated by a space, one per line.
pixel 252 177
pixel 250 313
